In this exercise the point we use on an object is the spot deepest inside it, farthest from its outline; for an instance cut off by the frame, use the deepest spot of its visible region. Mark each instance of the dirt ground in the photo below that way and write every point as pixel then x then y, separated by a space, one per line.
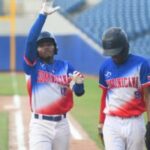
pixel 20 112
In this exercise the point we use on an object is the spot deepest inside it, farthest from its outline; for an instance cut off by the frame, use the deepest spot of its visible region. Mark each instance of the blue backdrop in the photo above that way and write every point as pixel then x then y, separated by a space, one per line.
pixel 71 47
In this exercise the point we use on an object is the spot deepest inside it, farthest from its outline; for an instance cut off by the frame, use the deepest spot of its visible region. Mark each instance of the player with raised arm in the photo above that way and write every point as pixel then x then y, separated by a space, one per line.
pixel 51 95
pixel 125 82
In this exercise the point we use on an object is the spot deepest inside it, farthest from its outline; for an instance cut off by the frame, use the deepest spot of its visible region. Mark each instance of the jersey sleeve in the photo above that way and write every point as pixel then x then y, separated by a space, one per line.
pixel 70 69
pixel 30 56
pixel 102 105
pixel 27 67
pixel 145 74
pixel 103 86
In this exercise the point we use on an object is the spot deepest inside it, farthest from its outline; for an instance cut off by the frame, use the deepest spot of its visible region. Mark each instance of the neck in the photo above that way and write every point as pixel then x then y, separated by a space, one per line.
pixel 49 60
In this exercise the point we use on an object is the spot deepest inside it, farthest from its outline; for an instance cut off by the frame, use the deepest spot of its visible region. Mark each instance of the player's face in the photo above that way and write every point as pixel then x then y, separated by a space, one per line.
pixel 46 50
pixel 119 59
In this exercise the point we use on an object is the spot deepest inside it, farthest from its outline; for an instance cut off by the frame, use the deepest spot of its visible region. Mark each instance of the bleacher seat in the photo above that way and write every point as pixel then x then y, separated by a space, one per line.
pixel 131 15
pixel 68 6
pixel 141 46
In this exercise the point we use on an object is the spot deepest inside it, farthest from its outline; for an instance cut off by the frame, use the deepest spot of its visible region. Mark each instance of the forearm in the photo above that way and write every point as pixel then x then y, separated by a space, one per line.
pixel 102 115
pixel 102 106
pixel 31 46
pixel 36 28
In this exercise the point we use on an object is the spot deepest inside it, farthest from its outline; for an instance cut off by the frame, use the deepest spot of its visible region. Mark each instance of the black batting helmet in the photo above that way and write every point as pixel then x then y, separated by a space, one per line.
pixel 46 36
pixel 114 41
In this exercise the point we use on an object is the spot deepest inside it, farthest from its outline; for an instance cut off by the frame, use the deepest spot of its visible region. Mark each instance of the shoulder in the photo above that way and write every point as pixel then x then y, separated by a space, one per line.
pixel 63 63
pixel 106 62
pixel 138 58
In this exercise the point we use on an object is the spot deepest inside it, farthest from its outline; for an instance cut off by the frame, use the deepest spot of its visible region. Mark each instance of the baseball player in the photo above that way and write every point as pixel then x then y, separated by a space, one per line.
pixel 125 82
pixel 51 95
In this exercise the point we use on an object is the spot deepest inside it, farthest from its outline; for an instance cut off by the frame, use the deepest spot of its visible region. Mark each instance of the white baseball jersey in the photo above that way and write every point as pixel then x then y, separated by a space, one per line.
pixel 124 84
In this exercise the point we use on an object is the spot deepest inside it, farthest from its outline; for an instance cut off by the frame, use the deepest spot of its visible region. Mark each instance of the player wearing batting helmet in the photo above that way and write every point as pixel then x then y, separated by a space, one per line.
pixel 51 86
pixel 125 82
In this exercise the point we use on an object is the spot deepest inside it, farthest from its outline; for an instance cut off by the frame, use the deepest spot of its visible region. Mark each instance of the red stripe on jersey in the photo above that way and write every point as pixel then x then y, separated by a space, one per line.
pixel 132 108
pixel 61 106
pixel 28 62
pixel 29 89
pixel 146 85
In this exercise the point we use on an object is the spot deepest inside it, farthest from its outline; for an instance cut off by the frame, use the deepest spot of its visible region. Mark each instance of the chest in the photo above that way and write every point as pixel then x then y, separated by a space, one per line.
pixel 122 76
pixel 54 69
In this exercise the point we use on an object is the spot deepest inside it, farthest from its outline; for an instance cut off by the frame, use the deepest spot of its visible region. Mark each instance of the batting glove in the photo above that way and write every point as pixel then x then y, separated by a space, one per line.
pixel 47 7
pixel 147 136
pixel 77 77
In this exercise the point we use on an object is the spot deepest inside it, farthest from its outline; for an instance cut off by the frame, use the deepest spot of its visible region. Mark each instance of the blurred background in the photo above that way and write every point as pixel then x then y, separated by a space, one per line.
pixel 78 27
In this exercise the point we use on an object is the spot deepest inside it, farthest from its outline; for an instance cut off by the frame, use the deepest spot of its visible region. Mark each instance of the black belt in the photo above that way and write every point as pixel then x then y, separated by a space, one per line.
pixel 50 118
pixel 135 116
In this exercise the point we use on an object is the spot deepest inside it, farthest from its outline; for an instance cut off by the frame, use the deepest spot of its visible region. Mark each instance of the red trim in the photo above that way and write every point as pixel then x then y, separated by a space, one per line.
pixel 28 61
pixel 132 108
pixel 29 88
pixel 61 106
pixel 102 86
pixel 145 84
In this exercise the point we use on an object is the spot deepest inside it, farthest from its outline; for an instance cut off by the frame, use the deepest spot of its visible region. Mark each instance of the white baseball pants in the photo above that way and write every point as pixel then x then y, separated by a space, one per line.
pixel 49 135
pixel 124 133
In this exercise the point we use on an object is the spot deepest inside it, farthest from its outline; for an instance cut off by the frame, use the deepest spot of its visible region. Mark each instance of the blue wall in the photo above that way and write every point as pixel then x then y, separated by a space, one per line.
pixel 71 47
pixel 4 53
pixel 80 54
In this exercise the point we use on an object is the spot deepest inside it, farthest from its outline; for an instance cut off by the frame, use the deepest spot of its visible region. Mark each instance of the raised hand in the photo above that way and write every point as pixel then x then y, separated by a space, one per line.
pixel 47 7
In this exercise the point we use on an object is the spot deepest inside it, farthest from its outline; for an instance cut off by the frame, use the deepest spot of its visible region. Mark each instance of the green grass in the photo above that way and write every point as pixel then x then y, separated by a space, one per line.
pixel 4 131
pixel 86 109
pixel 12 84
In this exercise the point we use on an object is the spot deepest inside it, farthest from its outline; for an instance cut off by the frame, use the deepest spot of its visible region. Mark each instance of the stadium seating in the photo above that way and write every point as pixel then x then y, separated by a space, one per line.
pixel 141 46
pixel 131 15
pixel 68 5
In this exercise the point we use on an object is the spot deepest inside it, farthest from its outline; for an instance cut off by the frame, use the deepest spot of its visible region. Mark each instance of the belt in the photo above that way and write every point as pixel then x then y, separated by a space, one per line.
pixel 135 116
pixel 49 118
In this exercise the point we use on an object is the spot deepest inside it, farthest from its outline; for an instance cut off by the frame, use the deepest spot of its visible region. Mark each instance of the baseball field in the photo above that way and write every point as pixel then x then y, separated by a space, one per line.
pixel 85 111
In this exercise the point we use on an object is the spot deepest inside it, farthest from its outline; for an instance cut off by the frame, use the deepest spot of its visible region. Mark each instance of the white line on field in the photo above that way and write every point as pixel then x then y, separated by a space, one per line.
pixel 19 124
pixel 18 115
pixel 74 132
pixel 14 82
